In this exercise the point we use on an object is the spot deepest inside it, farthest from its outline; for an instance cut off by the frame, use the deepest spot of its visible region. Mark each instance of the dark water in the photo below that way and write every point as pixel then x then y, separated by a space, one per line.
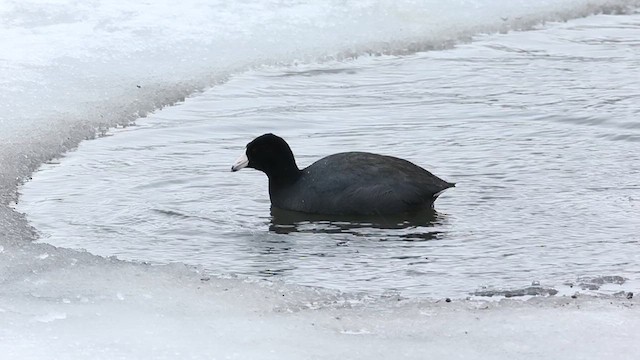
pixel 540 130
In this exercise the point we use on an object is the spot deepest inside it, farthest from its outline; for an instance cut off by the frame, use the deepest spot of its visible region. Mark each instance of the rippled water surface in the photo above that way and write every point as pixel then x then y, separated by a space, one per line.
pixel 540 130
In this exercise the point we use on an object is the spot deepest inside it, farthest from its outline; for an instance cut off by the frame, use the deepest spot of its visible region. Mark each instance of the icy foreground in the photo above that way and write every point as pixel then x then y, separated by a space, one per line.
pixel 74 305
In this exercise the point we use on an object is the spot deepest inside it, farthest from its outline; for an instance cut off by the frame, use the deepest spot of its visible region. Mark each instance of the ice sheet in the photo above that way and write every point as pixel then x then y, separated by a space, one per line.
pixel 74 305
pixel 68 68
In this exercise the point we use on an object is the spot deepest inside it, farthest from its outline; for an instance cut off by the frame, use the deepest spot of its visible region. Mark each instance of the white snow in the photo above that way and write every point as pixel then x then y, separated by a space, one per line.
pixel 68 67
pixel 108 309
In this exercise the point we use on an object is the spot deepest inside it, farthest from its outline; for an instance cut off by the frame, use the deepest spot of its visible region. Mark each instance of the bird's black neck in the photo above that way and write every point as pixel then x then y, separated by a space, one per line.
pixel 284 175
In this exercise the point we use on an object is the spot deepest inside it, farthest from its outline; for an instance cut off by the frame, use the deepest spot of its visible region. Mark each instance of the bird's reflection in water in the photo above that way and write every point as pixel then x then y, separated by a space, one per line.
pixel 417 226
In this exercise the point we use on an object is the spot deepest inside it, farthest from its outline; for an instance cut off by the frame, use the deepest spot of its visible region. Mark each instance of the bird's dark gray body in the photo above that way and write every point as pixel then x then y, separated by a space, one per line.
pixel 359 183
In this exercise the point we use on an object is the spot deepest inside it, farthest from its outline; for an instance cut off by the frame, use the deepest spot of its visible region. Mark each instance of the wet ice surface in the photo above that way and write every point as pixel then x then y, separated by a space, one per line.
pixel 538 129
pixel 57 303
pixel 71 305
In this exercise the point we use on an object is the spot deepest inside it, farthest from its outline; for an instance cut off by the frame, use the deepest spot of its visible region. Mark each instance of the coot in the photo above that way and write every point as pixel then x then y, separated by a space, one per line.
pixel 349 183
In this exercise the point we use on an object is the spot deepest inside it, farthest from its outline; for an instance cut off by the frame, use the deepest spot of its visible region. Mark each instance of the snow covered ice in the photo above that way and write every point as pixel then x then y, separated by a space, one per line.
pixel 73 305
pixel 70 71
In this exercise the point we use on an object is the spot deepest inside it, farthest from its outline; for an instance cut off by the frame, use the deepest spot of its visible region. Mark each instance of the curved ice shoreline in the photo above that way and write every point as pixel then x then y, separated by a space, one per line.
pixel 76 70
pixel 58 303
pixel 73 304
pixel 63 93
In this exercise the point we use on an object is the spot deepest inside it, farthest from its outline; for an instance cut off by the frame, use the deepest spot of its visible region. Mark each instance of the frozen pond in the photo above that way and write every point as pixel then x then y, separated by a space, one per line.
pixel 538 129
